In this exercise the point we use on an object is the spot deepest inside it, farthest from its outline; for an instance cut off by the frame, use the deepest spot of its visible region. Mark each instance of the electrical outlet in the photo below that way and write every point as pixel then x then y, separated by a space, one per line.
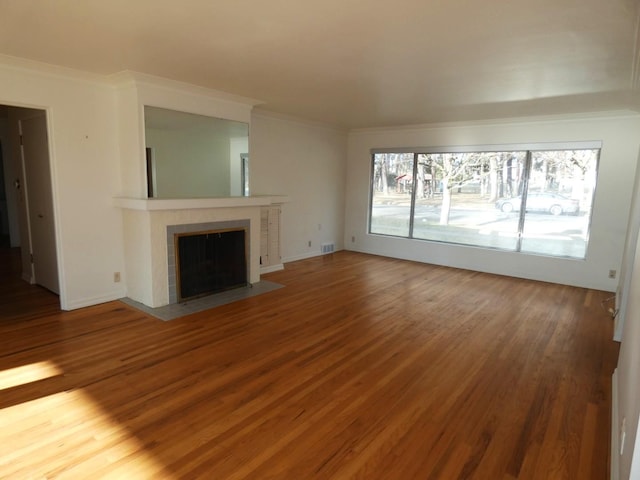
pixel 116 277
pixel 309 242
pixel 612 273
pixel 353 239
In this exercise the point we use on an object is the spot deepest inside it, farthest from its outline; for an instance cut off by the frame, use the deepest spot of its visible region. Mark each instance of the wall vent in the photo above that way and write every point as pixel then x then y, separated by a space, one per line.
pixel 328 248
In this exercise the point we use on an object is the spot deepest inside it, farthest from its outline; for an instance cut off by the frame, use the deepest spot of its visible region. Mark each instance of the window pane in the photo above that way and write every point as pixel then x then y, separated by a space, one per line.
pixel 392 184
pixel 559 201
pixel 456 202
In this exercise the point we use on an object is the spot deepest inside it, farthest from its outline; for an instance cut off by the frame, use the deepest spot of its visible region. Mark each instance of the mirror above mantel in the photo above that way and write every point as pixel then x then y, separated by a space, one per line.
pixel 195 156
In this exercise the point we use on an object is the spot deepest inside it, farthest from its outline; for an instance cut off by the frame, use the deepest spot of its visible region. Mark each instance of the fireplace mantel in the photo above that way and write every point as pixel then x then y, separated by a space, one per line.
pixel 145 223
pixel 152 204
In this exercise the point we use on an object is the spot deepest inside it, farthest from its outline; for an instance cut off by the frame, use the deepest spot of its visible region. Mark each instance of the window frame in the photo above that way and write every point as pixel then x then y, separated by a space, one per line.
pixel 528 148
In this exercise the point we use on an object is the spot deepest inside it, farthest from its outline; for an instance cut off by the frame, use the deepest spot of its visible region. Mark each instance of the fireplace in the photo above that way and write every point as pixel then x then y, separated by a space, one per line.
pixel 150 226
pixel 210 262
pixel 206 258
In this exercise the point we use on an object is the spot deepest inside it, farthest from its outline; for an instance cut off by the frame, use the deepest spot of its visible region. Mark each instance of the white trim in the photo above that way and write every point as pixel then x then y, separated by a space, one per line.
pixel 634 473
pixel 271 268
pixel 127 77
pixel 153 204
pixel 537 147
pixel 91 301
pixel 302 256
pixel 57 222
pixel 615 447
pixel 53 71
pixel 528 120
pixel 628 257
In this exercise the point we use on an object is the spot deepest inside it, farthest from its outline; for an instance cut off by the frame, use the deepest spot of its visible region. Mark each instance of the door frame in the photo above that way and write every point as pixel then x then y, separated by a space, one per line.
pixel 49 118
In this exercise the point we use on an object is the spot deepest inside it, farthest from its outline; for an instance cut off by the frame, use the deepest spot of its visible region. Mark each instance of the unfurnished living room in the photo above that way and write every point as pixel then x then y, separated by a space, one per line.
pixel 320 240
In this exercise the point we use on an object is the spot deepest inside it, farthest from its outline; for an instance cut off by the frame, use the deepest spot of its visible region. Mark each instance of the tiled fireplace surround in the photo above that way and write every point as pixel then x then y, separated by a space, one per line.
pixel 148 223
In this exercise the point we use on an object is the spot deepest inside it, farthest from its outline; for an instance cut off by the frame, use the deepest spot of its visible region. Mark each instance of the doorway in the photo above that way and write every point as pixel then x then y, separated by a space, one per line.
pixel 29 195
pixel 5 240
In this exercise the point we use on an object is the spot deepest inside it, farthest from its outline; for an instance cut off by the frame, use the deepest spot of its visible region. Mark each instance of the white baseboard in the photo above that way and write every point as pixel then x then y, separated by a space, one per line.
pixel 271 268
pixel 302 256
pixel 88 302
pixel 615 447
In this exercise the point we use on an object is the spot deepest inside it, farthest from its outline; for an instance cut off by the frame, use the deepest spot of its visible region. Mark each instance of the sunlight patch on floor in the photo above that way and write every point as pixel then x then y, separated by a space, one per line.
pixel 24 374
pixel 69 435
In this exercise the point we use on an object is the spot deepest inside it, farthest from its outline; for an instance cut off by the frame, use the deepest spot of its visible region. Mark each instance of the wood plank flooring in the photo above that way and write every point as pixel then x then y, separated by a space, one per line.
pixel 361 367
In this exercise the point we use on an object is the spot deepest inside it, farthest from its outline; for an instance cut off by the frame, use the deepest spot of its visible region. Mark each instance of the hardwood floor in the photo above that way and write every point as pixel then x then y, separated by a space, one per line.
pixel 361 367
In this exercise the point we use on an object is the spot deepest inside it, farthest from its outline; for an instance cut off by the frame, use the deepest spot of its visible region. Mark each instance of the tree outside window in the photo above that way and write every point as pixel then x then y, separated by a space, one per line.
pixel 477 198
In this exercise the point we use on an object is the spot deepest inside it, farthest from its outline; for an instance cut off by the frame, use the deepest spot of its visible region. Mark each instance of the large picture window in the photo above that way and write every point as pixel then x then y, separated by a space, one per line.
pixel 532 200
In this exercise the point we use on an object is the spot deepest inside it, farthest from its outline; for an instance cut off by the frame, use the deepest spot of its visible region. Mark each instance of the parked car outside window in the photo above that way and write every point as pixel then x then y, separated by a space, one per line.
pixel 552 203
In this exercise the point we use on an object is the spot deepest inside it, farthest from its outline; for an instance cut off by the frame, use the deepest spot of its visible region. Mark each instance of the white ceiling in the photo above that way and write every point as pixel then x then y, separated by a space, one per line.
pixel 353 63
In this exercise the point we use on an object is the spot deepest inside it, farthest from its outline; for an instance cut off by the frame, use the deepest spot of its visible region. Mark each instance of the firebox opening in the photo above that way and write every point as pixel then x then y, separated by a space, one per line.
pixel 210 262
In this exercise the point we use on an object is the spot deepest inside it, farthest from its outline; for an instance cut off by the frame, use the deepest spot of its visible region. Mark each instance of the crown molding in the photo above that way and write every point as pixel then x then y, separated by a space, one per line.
pixel 130 77
pixel 50 70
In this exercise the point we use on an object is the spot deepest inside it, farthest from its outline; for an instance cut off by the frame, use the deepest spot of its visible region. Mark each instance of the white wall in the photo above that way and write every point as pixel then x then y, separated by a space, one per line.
pixel 306 162
pixel 610 213
pixel 96 138
pixel 84 150
pixel 622 297
pixel 97 154
pixel 628 381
